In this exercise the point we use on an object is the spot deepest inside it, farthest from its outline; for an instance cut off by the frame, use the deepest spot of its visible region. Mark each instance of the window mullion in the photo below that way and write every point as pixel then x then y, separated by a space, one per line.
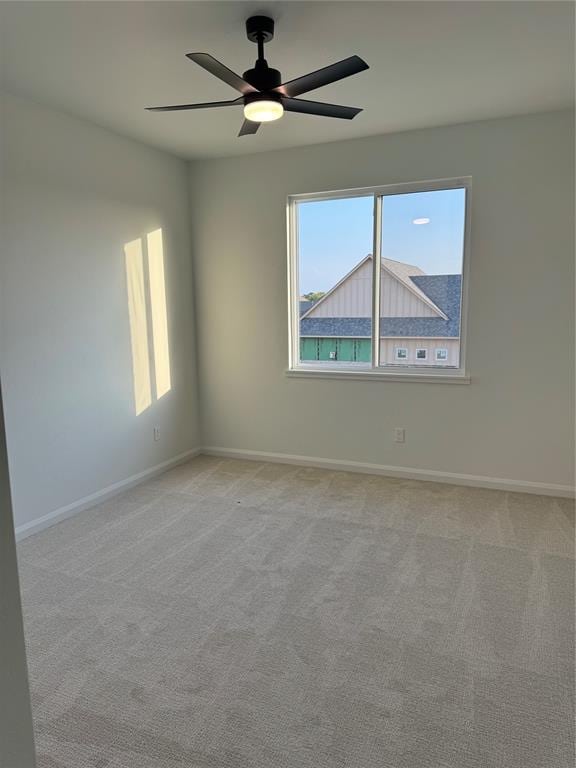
pixel 376 275
pixel 293 284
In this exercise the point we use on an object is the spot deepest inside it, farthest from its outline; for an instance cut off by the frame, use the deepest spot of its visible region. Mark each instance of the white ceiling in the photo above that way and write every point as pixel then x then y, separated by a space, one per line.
pixel 431 63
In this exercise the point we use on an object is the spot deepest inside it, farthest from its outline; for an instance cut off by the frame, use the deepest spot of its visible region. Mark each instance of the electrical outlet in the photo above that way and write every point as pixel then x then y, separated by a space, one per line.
pixel 399 435
pixel 156 433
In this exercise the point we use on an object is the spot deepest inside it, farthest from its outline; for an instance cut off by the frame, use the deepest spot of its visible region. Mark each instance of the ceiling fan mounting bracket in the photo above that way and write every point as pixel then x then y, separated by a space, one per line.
pixel 260 29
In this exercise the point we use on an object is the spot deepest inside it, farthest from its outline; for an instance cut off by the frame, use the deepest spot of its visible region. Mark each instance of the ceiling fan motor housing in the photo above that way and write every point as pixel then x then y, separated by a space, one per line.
pixel 262 76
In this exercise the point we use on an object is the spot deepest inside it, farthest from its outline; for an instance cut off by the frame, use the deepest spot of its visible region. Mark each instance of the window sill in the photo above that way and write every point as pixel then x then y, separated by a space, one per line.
pixel 369 373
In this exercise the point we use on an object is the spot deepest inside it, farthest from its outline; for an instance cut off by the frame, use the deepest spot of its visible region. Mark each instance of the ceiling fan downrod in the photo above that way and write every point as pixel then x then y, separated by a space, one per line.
pixel 260 30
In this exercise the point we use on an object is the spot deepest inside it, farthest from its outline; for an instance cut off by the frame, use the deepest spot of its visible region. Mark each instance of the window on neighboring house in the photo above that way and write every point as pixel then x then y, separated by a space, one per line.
pixel 349 311
pixel 401 353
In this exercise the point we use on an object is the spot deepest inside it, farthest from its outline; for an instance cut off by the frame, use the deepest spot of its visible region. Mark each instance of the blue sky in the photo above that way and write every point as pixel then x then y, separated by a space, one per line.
pixel 335 235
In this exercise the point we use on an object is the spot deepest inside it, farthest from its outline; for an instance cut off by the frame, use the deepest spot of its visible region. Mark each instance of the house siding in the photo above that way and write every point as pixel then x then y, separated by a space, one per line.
pixel 388 347
pixel 353 298
pixel 324 333
pixel 358 350
pixel 443 290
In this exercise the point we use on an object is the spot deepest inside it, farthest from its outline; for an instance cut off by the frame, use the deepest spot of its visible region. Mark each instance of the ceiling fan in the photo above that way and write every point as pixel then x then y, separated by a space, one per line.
pixel 264 96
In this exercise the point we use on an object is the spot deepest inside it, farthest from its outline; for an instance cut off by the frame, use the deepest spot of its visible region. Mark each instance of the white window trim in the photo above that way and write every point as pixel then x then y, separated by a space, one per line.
pixel 429 375
pixel 421 349
pixel 374 370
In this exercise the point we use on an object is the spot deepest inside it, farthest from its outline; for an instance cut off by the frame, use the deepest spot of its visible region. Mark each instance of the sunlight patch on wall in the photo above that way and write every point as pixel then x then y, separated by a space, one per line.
pixel 138 324
pixel 158 312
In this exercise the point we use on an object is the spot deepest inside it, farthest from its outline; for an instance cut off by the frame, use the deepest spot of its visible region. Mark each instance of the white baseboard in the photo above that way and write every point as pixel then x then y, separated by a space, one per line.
pixel 34 526
pixel 409 473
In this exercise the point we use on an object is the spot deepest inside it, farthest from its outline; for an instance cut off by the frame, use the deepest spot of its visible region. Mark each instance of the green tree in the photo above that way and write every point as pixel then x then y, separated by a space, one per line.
pixel 314 295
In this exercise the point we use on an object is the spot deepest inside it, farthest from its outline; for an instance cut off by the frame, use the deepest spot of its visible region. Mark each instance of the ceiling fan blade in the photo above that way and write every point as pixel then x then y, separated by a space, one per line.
pixel 248 127
pixel 205 105
pixel 218 69
pixel 319 108
pixel 350 66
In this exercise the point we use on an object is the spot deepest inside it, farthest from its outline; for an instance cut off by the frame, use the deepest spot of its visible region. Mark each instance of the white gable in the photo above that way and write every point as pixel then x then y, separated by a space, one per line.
pixel 352 297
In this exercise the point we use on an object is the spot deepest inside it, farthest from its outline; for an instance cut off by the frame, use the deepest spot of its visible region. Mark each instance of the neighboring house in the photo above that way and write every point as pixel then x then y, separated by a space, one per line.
pixel 419 325
pixel 305 305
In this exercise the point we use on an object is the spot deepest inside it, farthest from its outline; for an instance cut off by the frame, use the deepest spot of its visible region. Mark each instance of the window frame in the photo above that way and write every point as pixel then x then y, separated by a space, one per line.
pixel 374 370
pixel 421 349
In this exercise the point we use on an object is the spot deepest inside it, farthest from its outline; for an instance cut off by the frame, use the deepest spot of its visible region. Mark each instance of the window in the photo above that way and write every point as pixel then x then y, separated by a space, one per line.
pixel 353 314
pixel 401 353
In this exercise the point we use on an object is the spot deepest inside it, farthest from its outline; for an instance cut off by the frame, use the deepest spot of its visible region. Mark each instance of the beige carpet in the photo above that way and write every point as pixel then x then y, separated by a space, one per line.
pixel 234 614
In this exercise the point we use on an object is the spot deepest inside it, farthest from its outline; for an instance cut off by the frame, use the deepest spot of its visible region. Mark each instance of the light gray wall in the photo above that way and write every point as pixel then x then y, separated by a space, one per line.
pixel 515 421
pixel 16 738
pixel 74 194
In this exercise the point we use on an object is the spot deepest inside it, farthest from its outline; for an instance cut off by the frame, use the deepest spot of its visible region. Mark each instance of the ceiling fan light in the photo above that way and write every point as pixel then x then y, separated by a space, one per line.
pixel 263 111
